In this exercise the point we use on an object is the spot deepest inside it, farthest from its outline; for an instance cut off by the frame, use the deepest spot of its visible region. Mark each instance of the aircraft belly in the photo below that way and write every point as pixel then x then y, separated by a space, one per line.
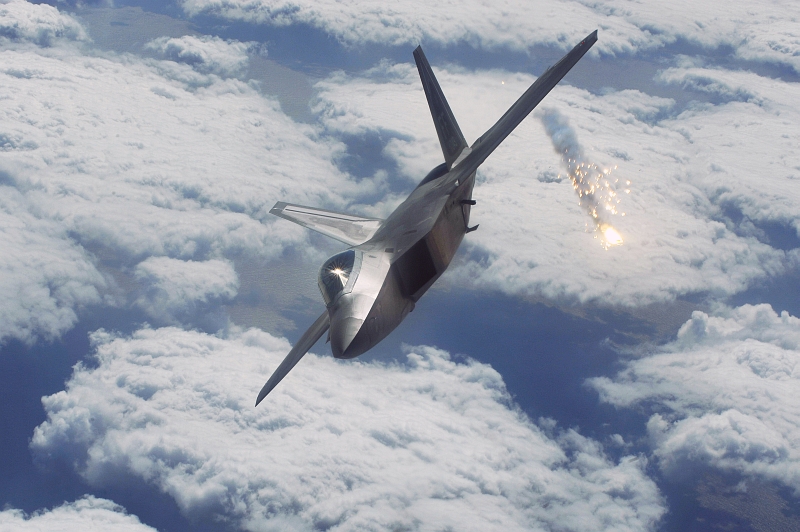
pixel 388 311
pixel 420 264
pixel 421 241
pixel 413 270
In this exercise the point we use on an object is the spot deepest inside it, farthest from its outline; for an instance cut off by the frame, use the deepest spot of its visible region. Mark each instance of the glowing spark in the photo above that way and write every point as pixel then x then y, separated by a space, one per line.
pixel 594 186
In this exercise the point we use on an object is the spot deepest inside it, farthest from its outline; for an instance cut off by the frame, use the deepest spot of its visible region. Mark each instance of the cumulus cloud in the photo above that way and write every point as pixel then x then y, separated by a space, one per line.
pixel 108 160
pixel 134 158
pixel 723 394
pixel 762 31
pixel 174 291
pixel 516 25
pixel 89 514
pixel 387 100
pixel 45 276
pixel 428 444
pixel 22 21
pixel 743 147
pixel 687 169
pixel 207 54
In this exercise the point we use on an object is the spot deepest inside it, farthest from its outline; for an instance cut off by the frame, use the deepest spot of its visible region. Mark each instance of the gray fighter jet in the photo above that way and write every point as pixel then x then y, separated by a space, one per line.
pixel 372 286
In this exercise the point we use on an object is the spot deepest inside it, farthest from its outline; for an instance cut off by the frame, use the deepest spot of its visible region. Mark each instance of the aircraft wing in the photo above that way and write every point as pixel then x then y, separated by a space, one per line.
pixel 347 228
pixel 302 346
pixel 490 140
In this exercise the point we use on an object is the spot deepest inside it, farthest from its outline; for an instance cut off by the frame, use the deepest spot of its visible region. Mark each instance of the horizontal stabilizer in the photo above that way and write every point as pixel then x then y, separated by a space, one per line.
pixel 450 137
pixel 299 350
pixel 347 228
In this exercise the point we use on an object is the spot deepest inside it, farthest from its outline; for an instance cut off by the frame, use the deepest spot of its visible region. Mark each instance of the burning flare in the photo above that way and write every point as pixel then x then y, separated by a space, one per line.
pixel 594 186
pixel 611 235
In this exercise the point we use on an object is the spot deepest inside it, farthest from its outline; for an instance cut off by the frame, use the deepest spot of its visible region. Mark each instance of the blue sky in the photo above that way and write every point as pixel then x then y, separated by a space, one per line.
pixel 544 383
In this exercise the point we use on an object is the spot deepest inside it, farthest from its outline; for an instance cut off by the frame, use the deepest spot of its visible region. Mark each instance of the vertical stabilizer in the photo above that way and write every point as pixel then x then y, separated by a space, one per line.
pixel 450 137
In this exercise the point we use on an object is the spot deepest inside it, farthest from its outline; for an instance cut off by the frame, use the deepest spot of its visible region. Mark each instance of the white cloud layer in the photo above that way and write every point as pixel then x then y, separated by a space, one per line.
pixel 44 276
pixel 688 170
pixel 118 159
pixel 153 158
pixel 174 289
pixel 107 160
pixel 22 21
pixel 727 391
pixel 763 31
pixel 206 53
pixel 743 148
pixel 427 445
pixel 89 514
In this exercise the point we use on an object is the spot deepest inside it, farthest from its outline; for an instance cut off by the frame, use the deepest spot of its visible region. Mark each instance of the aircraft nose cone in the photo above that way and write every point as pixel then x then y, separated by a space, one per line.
pixel 343 332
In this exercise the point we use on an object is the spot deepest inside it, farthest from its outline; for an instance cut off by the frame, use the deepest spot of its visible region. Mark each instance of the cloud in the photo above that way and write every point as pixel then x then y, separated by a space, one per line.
pixel 758 31
pixel 88 514
pixel 755 31
pixel 690 170
pixel 723 394
pixel 132 158
pixel 21 21
pixel 174 291
pixel 46 278
pixel 108 159
pixel 207 54
pixel 515 25
pixel 747 160
pixel 430 443
pixel 388 100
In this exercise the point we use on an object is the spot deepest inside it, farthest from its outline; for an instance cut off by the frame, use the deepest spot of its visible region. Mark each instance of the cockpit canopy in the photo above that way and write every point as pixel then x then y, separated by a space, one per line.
pixel 338 274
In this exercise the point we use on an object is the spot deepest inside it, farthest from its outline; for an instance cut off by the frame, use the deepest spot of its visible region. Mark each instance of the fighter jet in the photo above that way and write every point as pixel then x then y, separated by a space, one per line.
pixel 372 286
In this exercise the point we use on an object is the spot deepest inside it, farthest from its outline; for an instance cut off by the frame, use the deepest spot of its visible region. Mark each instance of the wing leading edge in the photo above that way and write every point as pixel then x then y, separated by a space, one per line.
pixel 350 229
pixel 299 350
pixel 489 141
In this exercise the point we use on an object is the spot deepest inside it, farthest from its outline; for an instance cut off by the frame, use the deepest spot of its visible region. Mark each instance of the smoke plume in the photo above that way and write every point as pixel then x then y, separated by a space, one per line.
pixel 594 186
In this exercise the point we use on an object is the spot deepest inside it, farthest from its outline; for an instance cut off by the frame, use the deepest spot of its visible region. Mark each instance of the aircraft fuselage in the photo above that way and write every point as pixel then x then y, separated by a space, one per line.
pixel 413 247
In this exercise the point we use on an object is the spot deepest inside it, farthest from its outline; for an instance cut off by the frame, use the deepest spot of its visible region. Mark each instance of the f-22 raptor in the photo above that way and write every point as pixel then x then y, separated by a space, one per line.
pixel 372 286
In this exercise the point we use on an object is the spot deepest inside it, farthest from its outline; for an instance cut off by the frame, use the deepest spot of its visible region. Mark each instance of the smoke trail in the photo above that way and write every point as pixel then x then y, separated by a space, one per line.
pixel 594 186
